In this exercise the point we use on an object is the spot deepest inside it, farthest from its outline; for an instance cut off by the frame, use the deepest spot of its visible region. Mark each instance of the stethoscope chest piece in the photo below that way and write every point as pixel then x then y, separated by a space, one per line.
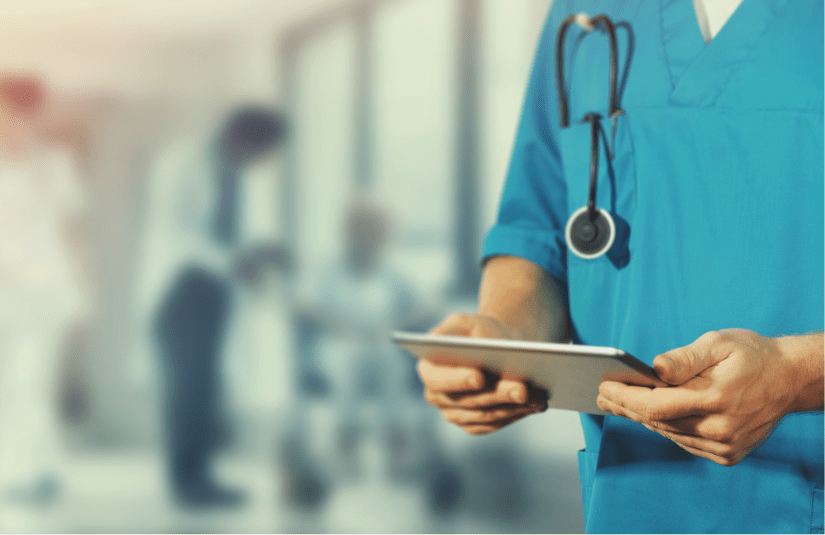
pixel 590 234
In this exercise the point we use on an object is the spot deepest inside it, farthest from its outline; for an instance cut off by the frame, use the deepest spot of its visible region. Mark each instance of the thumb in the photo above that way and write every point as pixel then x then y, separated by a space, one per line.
pixel 679 365
pixel 456 324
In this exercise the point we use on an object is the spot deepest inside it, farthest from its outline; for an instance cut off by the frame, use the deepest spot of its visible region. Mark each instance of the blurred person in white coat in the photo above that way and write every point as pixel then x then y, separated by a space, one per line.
pixel 41 205
pixel 195 259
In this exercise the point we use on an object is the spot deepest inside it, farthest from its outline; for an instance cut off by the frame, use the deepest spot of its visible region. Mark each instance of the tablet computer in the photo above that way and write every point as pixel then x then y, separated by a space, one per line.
pixel 571 373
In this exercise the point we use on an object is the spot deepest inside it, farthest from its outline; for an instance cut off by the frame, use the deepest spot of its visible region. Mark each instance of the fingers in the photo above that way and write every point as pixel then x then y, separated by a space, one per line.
pixel 721 405
pixel 679 365
pixel 476 400
pixel 450 378
pixel 727 452
pixel 655 404
pixel 459 378
pixel 715 427
pixel 706 455
pixel 505 413
pixel 480 429
pixel 694 444
pixel 711 436
pixel 489 418
pixel 479 409
pixel 502 392
pixel 457 324
pixel 476 325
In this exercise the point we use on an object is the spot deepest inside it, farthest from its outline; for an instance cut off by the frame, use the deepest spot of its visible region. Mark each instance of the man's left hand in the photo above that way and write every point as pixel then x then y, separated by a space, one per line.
pixel 731 388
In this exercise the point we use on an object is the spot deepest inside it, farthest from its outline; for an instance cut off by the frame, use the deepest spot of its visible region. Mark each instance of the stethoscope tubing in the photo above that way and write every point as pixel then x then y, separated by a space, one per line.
pixel 578 238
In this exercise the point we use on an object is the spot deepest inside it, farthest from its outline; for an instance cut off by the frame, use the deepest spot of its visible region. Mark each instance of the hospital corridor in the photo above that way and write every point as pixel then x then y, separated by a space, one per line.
pixel 212 216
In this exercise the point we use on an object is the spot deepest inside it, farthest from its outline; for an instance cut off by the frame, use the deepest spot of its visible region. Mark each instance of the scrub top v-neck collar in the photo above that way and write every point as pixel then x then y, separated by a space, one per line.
pixel 699 72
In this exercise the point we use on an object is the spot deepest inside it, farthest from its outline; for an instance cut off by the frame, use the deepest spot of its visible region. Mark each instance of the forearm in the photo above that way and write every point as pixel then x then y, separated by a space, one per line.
pixel 525 298
pixel 805 358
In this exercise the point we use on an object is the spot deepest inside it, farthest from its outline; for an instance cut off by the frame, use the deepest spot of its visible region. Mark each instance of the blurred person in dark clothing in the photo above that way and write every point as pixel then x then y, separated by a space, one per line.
pixel 199 261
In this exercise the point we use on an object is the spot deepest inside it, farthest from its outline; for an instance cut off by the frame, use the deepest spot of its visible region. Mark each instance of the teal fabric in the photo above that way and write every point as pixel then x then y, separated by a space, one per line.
pixel 717 192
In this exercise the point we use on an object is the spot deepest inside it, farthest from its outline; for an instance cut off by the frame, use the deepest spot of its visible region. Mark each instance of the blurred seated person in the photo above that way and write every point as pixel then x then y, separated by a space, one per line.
pixel 350 375
pixel 195 263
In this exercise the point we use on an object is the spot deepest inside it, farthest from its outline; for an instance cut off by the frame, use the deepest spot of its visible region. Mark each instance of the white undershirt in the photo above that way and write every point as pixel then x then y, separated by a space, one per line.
pixel 713 14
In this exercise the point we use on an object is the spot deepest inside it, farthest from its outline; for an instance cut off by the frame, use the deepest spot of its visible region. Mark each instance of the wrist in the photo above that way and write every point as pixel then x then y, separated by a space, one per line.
pixel 523 298
pixel 804 355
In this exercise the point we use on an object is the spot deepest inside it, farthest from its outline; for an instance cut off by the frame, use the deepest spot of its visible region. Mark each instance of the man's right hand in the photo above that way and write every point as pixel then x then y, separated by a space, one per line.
pixel 476 400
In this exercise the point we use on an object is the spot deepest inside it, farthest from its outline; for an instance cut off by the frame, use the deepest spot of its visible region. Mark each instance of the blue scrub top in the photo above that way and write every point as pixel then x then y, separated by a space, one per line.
pixel 716 188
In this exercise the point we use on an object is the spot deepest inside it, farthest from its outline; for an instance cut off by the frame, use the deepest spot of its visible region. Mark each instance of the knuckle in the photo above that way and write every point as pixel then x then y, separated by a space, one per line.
pixel 461 317
pixel 665 366
pixel 715 401
pixel 489 416
pixel 728 461
pixel 727 335
pixel 726 451
pixel 466 402
pixel 712 337
pixel 714 435
pixel 452 416
pixel 652 413
pixel 693 354
pixel 476 402
pixel 723 435
pixel 453 324
pixel 464 419
pixel 423 367
pixel 487 400
pixel 663 431
pixel 502 414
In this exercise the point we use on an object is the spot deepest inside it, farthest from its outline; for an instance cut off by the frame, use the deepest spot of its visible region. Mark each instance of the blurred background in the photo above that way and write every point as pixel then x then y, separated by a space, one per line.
pixel 211 216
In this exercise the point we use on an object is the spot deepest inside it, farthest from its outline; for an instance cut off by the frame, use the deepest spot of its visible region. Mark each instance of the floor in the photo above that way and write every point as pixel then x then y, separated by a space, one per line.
pixel 504 488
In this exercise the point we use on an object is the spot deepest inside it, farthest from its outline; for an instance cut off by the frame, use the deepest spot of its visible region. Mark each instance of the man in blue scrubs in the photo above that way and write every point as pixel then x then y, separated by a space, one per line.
pixel 715 278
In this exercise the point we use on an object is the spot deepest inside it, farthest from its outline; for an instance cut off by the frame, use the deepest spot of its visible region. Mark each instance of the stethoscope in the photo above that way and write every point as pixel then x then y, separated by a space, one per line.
pixel 590 231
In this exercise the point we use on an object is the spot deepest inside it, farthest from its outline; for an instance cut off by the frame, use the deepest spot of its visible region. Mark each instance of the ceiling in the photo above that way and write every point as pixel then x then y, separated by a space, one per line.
pixel 170 17
pixel 143 47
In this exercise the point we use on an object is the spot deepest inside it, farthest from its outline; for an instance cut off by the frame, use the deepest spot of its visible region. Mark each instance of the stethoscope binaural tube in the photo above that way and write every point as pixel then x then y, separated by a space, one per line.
pixel 590 231
pixel 588 25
